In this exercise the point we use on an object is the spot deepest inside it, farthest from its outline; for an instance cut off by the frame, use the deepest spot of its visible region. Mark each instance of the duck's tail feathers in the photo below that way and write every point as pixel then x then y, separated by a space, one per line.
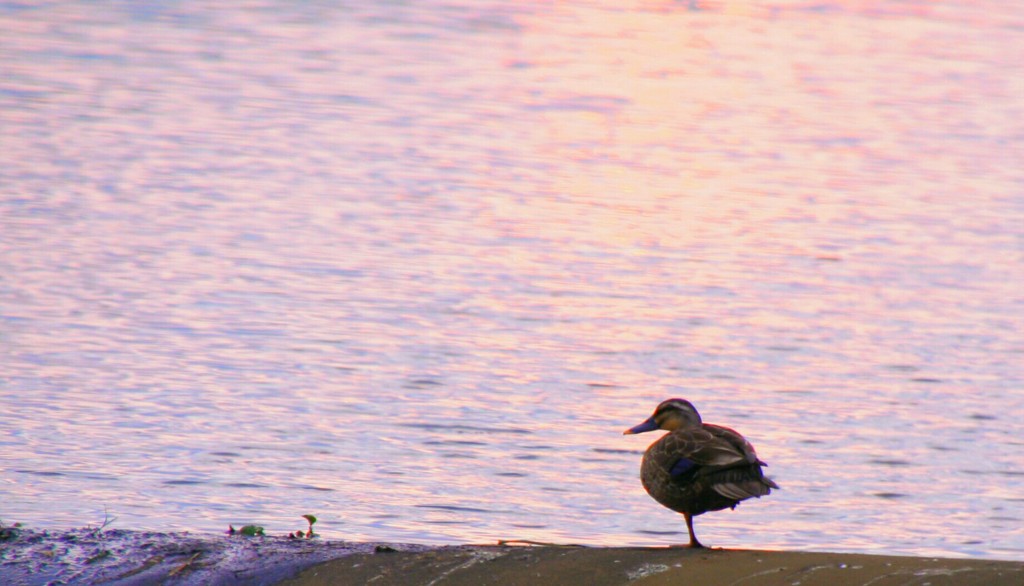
pixel 742 483
pixel 739 491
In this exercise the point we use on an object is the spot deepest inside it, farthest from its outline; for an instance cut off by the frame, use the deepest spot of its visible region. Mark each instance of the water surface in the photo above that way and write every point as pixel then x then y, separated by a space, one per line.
pixel 414 267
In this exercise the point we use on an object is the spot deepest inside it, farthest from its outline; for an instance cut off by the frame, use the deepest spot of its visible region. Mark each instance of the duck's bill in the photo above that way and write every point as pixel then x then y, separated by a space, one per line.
pixel 648 425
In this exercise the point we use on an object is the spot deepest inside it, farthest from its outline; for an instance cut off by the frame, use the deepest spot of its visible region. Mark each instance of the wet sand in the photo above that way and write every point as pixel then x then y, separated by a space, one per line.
pixel 506 566
pixel 133 558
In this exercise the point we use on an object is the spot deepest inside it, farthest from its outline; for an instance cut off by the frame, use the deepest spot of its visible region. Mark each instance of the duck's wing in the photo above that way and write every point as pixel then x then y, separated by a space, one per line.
pixel 737 441
pixel 740 482
pixel 683 452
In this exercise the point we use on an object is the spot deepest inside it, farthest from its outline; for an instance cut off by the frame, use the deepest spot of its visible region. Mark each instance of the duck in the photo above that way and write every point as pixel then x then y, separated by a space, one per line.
pixel 698 467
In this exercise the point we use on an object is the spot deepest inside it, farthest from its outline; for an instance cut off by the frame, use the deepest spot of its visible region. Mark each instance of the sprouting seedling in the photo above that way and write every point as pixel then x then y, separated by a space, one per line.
pixel 308 534
pixel 311 519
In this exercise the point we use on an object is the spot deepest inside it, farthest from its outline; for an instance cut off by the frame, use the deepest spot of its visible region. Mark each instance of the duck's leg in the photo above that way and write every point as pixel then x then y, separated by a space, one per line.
pixel 693 537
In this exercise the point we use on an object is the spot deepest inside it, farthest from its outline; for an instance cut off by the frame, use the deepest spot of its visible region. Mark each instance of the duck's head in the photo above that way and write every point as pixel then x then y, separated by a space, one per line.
pixel 671 414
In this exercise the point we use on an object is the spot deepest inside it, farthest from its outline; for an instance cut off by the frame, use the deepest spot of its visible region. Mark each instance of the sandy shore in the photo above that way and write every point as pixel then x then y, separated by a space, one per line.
pixel 476 565
pixel 133 558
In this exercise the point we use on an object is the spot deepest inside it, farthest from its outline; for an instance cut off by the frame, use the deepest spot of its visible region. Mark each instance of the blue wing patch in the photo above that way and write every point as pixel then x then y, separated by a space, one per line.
pixel 681 467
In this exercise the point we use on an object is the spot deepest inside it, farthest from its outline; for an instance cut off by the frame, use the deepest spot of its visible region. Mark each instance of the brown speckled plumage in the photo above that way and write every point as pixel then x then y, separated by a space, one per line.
pixel 698 467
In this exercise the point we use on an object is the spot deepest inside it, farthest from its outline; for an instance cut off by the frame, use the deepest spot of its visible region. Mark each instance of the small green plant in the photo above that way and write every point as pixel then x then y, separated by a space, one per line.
pixel 311 519
pixel 308 534
pixel 246 530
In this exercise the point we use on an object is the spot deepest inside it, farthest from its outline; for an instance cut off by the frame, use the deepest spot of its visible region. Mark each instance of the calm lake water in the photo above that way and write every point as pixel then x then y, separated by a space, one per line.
pixel 413 267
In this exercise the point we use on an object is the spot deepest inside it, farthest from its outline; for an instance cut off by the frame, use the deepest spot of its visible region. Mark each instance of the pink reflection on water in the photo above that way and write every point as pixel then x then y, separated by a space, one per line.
pixel 422 274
